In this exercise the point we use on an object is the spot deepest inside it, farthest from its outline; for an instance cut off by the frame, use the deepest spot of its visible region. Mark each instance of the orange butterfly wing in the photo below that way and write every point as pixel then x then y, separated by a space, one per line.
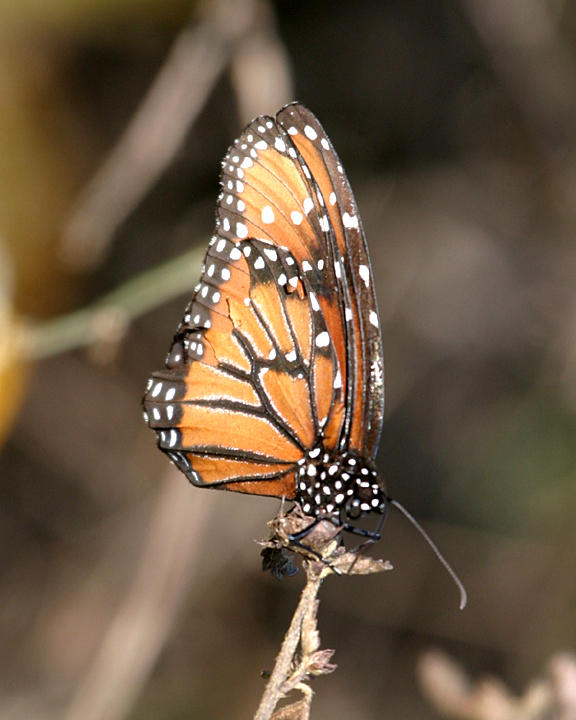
pixel 365 391
pixel 270 359
pixel 248 387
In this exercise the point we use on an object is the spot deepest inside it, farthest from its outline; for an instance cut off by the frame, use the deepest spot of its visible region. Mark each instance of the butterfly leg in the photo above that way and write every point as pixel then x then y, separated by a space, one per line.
pixel 296 537
pixel 295 540
pixel 371 536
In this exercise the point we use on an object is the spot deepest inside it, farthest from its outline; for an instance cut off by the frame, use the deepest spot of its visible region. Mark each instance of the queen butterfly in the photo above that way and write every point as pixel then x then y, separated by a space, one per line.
pixel 273 384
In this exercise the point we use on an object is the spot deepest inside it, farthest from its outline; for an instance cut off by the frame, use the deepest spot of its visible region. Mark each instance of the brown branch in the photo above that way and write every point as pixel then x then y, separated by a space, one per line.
pixel 106 321
pixel 138 632
pixel 197 59
pixel 452 693
pixel 300 656
pixel 285 659
pixel 260 69
pixel 157 130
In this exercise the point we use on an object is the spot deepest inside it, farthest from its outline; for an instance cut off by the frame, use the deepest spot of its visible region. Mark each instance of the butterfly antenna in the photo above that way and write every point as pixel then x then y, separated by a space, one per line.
pixel 432 544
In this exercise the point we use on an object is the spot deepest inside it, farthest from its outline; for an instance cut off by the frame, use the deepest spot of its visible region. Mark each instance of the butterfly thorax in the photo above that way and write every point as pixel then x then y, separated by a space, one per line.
pixel 343 485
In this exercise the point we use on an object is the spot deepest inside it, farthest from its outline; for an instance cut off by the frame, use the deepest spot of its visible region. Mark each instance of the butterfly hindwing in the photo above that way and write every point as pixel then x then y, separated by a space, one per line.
pixel 247 393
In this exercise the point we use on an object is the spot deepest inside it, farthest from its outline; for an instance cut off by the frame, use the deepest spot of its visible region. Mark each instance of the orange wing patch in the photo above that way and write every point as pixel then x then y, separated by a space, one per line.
pixel 290 398
pixel 208 427
pixel 218 470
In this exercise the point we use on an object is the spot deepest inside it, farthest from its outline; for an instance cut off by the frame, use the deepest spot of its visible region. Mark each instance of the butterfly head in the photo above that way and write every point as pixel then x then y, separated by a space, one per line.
pixel 344 486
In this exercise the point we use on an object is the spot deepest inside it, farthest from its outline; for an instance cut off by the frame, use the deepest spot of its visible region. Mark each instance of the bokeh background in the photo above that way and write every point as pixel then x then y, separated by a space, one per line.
pixel 127 594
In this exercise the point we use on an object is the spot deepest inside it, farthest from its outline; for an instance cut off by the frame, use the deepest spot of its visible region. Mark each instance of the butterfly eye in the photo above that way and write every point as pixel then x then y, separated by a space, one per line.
pixel 353 510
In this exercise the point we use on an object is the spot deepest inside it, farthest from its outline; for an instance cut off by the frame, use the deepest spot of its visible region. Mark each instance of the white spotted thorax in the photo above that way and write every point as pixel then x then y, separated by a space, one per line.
pixel 339 486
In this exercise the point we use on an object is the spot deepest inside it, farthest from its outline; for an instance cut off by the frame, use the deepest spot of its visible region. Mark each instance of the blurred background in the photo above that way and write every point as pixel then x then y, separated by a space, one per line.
pixel 127 594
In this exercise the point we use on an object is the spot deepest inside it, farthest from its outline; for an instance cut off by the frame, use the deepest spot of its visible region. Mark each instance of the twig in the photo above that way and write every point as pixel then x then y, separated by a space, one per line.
pixel 119 308
pixel 155 134
pixel 293 669
pixel 137 633
pixel 284 661
pixel 260 69
pixel 452 693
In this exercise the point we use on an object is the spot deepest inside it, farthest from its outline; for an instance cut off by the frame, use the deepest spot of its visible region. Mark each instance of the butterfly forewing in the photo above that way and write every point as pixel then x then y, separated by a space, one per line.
pixel 365 397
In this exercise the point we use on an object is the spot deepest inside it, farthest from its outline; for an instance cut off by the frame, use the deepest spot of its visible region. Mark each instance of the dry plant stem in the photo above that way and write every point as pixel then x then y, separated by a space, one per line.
pixel 260 69
pixel 285 659
pixel 83 327
pixel 138 632
pixel 298 711
pixel 155 134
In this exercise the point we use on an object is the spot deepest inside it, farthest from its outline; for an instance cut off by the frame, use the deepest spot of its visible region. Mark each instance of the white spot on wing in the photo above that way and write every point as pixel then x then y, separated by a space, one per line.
pixel 267 215
pixel 241 230
pixel 373 318
pixel 323 339
pixel 296 217
pixel 364 274
pixel 307 205
pixel 350 221
pixel 310 133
